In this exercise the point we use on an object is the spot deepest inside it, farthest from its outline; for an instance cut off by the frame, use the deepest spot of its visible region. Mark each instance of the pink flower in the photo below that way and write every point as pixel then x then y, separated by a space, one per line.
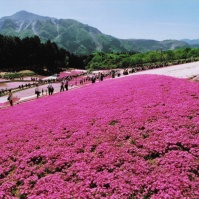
pixel 131 137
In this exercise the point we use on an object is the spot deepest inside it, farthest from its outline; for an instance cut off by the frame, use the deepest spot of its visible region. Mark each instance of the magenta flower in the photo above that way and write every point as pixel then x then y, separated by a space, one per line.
pixel 133 137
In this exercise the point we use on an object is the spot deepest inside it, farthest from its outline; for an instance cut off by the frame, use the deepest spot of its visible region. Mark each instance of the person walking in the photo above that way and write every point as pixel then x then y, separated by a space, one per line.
pixel 37 91
pixel 10 97
pixel 50 89
pixel 66 84
pixel 93 78
pixel 101 77
pixel 62 86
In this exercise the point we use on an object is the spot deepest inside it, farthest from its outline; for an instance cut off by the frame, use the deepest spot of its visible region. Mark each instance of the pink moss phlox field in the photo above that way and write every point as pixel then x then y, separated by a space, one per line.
pixel 3 80
pixel 11 85
pixel 70 73
pixel 130 138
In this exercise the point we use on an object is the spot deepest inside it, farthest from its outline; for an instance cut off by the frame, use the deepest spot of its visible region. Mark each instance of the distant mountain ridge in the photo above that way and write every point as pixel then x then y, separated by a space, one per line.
pixel 192 42
pixel 76 37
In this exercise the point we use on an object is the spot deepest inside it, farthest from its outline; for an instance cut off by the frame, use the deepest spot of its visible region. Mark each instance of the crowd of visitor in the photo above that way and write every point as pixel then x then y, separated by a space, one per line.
pixel 80 79
pixel 64 81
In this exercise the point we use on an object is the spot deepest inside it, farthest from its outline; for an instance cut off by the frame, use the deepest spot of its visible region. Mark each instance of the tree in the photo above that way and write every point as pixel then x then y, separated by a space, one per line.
pixel 169 55
pixel 180 54
pixel 151 57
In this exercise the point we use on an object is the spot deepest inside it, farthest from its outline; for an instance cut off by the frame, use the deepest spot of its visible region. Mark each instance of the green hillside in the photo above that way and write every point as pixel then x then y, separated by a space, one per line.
pixel 76 37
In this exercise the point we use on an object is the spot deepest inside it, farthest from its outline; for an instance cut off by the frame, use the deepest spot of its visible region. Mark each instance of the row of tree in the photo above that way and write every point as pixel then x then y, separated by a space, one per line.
pixel 102 60
pixel 30 53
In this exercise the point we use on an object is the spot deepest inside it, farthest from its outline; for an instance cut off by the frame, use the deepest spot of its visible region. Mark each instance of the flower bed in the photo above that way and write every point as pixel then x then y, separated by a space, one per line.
pixel 12 85
pixel 71 73
pixel 132 137
pixel 4 80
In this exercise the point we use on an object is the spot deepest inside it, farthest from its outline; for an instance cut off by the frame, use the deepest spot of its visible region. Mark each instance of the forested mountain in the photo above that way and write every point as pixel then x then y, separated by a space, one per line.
pixel 76 37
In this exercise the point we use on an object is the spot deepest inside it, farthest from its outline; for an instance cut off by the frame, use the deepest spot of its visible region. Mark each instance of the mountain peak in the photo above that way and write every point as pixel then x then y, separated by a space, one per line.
pixel 21 15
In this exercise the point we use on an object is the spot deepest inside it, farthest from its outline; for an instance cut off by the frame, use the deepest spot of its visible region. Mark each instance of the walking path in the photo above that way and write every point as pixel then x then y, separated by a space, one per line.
pixel 188 70
pixel 29 96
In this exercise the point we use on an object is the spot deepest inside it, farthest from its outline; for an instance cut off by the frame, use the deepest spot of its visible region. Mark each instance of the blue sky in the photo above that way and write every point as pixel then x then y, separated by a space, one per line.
pixel 124 19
